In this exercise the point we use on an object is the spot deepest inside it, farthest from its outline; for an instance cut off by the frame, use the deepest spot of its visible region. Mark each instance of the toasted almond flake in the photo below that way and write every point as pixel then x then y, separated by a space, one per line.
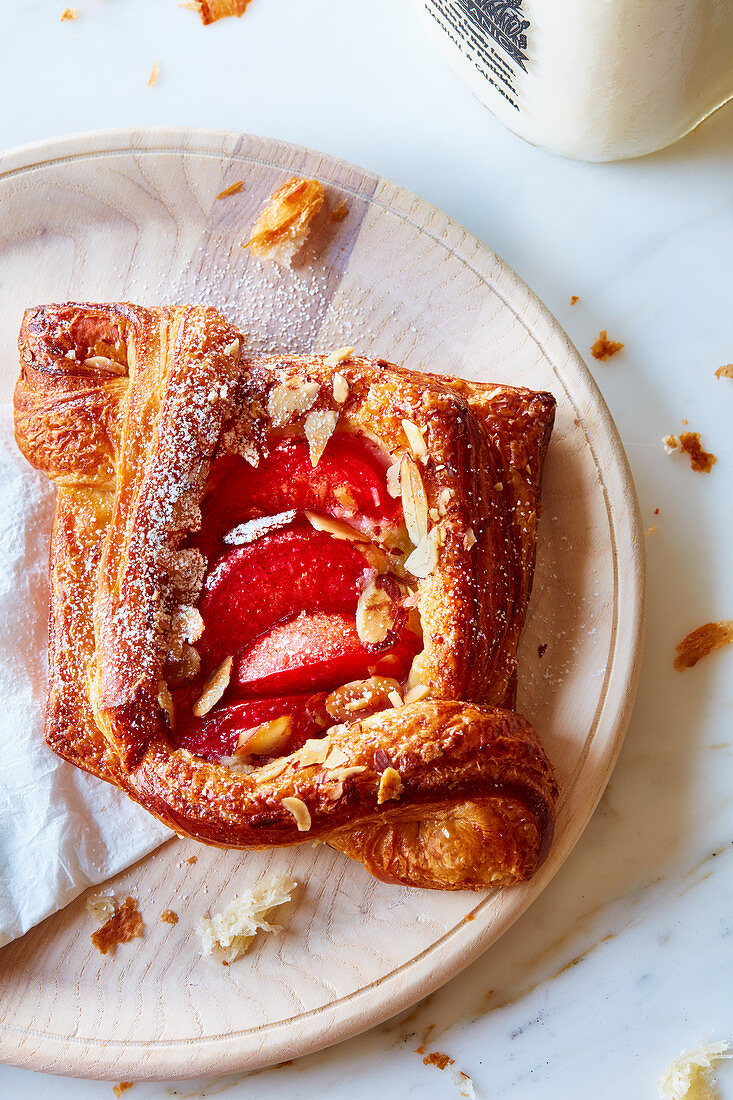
pixel 272 771
pixel 319 427
pixel 233 349
pixel 415 439
pixel 254 529
pixel 214 688
pixel 300 812
pixel 232 189
pixel 414 501
pixel 444 499
pixel 333 790
pixel 395 698
pixel 336 358
pixel 335 527
pixel 342 774
pixel 290 400
pixel 434 515
pixel 314 751
pixel 336 757
pixel 390 785
pixel 154 74
pixel 340 388
pixel 418 674
pixel 418 692
pixel 268 737
pixel 393 480
pixel 103 362
pixel 358 695
pixel 346 499
pixel 469 539
pixel 424 558
pixel 375 614
pixel 166 704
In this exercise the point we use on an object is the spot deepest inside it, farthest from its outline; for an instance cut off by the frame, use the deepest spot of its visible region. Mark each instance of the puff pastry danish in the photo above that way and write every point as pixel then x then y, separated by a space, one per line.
pixel 287 591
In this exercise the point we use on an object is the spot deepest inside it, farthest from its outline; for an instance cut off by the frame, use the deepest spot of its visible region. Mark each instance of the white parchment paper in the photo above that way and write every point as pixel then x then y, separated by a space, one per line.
pixel 61 830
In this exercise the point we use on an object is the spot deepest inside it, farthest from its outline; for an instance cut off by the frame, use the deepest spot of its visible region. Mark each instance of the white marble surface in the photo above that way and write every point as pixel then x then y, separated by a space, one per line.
pixel 627 957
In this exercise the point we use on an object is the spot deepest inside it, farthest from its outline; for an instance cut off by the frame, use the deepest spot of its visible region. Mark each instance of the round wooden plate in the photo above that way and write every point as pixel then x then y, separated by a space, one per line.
pixel 134 215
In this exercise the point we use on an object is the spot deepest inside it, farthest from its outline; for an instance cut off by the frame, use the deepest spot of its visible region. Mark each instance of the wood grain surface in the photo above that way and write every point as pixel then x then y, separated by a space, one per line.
pixel 134 215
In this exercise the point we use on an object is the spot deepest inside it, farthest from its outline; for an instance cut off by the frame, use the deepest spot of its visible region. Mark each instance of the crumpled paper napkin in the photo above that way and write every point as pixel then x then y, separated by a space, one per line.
pixel 61 830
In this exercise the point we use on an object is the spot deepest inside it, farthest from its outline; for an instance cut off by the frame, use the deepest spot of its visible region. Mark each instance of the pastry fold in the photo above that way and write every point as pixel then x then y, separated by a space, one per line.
pixel 132 412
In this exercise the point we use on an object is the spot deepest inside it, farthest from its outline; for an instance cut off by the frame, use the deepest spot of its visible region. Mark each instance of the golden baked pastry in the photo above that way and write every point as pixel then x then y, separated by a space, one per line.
pixel 287 591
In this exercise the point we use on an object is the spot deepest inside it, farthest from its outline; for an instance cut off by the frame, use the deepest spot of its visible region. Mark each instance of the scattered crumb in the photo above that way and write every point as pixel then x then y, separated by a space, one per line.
pixel 122 1087
pixel 670 443
pixel 691 1076
pixel 656 511
pixel 651 530
pixel 73 13
pixel 101 906
pixel 575 298
pixel 229 934
pixel 465 1085
pixel 154 74
pixel 542 649
pixel 342 210
pixel 191 859
pixel 700 460
pixel 285 222
pixel 702 641
pixel 685 420
pixel 725 371
pixel 169 917
pixel 125 924
pixel 211 10
pixel 232 189
pixel 435 1058
pixel 604 348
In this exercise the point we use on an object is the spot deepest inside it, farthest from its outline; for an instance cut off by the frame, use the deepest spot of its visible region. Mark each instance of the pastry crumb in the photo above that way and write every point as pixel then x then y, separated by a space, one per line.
pixel 464 1084
pixel 124 925
pixel 154 74
pixel 701 461
pixel 69 13
pixel 691 1075
pixel 435 1058
pixel 699 643
pixel 229 934
pixel 232 189
pixel 651 530
pixel 726 371
pixel 390 786
pixel 340 212
pixel 284 224
pixel 604 348
pixel 191 859
pixel 122 1087
pixel 169 917
pixel 573 299
pixel 211 10
pixel 670 443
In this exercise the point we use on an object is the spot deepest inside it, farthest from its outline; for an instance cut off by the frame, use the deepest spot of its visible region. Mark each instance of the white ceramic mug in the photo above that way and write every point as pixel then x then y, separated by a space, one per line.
pixel 591 79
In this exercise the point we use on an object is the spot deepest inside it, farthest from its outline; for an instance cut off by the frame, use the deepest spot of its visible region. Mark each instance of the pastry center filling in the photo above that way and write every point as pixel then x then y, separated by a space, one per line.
pixel 307 616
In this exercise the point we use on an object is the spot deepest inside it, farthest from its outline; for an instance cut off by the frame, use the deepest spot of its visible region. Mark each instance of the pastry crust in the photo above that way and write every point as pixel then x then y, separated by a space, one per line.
pixel 126 409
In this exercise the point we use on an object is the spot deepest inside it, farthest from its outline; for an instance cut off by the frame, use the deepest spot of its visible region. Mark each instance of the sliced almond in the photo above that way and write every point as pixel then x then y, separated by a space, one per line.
pixel 414 501
pixel 340 388
pixel 214 688
pixel 165 701
pixel 395 698
pixel 424 558
pixel 253 529
pixel 375 613
pixel 102 362
pixel 188 666
pixel 415 694
pixel 267 738
pixel 360 695
pixel 336 757
pixel 415 438
pixel 445 498
pixel 273 770
pixel 319 427
pixel 233 348
pixel 336 358
pixel 188 624
pixel 346 499
pixel 393 480
pixel 418 672
pixel 300 812
pixel 289 400
pixel 342 774
pixel 314 751
pixel 336 528
pixel 469 539
pixel 390 786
